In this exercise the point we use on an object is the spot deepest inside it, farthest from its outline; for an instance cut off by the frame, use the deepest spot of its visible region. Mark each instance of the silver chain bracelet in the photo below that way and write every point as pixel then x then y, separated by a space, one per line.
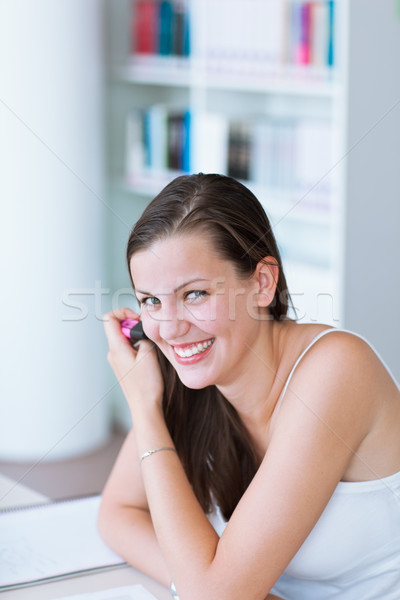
pixel 173 591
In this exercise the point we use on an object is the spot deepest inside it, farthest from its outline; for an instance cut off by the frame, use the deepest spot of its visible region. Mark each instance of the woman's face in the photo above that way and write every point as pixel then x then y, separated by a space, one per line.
pixel 195 308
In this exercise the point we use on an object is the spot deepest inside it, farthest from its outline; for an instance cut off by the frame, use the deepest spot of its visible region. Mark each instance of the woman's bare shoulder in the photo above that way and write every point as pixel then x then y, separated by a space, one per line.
pixel 342 379
pixel 347 352
pixel 325 347
pixel 336 376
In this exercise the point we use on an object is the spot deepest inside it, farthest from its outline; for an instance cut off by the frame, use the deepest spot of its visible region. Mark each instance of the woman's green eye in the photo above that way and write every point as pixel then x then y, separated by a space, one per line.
pixel 150 301
pixel 196 294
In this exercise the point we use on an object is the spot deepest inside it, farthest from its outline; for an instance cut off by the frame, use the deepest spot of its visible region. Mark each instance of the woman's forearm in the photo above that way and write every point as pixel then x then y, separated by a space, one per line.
pixel 130 533
pixel 119 526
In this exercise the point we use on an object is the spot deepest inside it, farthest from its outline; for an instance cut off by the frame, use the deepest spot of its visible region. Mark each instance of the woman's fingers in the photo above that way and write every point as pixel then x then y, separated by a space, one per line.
pixel 124 313
pixel 119 315
pixel 112 325
pixel 136 369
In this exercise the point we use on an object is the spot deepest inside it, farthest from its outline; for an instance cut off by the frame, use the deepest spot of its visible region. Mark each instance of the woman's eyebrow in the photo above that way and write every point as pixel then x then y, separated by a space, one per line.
pixel 176 289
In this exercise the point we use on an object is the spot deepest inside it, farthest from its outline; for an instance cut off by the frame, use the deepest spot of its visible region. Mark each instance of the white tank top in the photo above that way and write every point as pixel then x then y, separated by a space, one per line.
pixel 353 551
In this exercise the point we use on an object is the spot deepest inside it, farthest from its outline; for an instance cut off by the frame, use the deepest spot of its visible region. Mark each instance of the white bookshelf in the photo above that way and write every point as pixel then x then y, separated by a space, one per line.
pixel 160 71
pixel 341 256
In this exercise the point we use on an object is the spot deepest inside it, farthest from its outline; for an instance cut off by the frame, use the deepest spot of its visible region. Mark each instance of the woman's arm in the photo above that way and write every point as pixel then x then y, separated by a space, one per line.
pixel 127 529
pixel 324 417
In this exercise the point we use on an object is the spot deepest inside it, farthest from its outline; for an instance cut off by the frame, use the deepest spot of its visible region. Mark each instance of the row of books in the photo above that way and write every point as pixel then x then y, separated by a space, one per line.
pixel 281 154
pixel 158 139
pixel 246 36
pixel 264 36
pixel 160 27
pixel 311 38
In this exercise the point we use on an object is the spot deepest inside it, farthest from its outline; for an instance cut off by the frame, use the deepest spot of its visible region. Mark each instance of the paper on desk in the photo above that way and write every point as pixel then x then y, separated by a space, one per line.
pixel 129 592
pixel 51 540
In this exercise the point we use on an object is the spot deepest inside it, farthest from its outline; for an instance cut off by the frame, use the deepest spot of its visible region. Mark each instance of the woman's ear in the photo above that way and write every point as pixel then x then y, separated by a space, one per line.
pixel 266 276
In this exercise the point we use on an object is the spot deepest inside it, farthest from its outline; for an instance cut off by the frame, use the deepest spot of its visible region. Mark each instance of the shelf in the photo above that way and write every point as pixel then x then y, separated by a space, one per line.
pixel 183 72
pixel 155 70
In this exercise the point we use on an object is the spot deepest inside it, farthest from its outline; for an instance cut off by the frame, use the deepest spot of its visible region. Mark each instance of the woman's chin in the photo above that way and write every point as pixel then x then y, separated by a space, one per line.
pixel 192 382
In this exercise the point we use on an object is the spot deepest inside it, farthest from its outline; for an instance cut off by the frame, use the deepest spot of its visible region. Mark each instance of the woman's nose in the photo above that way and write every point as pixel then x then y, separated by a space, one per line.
pixel 172 326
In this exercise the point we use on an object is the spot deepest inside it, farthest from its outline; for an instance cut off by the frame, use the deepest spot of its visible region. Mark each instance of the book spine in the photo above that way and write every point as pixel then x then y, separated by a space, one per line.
pixel 145 27
pixel 331 13
pixel 295 33
pixel 239 154
pixel 320 34
pixel 135 146
pixel 313 157
pixel 180 29
pixel 261 162
pixel 209 144
pixel 157 138
pixel 187 46
pixel 178 24
pixel 166 21
pixel 175 138
pixel 147 138
pixel 186 143
pixel 305 25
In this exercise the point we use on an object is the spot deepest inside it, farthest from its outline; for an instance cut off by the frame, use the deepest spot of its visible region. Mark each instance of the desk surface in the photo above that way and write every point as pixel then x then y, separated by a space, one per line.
pixel 15 494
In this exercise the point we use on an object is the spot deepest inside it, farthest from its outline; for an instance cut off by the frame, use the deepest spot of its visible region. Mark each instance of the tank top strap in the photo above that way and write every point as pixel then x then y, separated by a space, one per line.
pixel 321 334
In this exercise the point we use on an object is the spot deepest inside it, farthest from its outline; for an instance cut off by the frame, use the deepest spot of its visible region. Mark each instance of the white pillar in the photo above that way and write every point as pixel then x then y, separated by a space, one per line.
pixel 53 400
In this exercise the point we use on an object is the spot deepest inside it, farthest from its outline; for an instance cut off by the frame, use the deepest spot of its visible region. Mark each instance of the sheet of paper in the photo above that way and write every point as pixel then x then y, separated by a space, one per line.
pixel 51 540
pixel 130 592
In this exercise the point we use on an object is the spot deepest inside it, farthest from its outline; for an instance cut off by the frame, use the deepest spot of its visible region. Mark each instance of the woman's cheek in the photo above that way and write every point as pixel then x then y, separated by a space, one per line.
pixel 218 317
pixel 150 326
pixel 203 317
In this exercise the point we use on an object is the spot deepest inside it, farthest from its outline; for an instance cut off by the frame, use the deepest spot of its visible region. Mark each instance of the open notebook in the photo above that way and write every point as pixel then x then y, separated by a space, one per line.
pixel 52 540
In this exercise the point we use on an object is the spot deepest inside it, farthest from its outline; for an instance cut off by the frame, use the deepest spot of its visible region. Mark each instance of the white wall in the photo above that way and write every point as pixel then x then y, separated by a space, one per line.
pixel 372 249
pixel 53 396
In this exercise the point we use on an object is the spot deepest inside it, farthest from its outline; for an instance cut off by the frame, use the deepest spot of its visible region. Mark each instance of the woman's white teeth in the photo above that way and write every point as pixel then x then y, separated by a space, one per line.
pixel 195 349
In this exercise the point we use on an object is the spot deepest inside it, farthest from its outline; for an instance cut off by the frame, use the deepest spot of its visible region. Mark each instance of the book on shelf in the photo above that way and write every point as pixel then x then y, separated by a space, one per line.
pixel 239 150
pixel 209 148
pixel 160 27
pixel 314 157
pixel 288 155
pixel 178 141
pixel 266 36
pixel 255 39
pixel 175 141
pixel 181 30
pixel 156 137
pixel 302 51
pixel 331 31
pixel 319 39
pixel 160 139
pixel 135 147
pixel 144 27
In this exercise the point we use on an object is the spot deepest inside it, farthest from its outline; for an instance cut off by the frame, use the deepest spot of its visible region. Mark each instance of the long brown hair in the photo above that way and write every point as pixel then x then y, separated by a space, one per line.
pixel 211 440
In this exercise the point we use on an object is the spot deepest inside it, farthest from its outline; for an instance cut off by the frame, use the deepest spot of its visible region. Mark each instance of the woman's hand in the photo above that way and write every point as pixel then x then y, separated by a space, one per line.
pixel 137 371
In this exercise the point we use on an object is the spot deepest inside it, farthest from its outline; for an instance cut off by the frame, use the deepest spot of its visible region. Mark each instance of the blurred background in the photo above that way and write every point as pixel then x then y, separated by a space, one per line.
pixel 102 103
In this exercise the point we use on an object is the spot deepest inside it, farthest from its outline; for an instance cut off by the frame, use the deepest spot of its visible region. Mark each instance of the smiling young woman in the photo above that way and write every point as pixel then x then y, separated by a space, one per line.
pixel 264 454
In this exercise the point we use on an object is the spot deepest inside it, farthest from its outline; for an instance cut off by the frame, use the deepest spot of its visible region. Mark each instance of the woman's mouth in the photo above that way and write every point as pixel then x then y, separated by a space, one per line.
pixel 192 352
